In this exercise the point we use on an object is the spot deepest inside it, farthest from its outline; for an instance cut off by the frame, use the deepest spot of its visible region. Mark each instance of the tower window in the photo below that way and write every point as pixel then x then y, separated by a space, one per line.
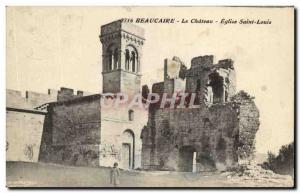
pixel 131 115
pixel 116 58
pixel 133 61
pixel 110 58
pixel 127 59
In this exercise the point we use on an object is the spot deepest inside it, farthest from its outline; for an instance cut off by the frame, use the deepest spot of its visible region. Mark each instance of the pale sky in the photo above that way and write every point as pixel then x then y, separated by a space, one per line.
pixel 53 47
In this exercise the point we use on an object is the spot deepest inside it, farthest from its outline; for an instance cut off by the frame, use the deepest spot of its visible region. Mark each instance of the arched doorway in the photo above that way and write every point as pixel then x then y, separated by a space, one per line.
pixel 187 159
pixel 127 154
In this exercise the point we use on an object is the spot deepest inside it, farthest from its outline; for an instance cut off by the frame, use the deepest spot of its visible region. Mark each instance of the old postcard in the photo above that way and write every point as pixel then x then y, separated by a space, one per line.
pixel 150 97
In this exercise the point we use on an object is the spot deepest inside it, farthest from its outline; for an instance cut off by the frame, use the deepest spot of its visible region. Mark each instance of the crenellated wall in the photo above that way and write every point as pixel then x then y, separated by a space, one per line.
pixel 65 94
pixel 32 100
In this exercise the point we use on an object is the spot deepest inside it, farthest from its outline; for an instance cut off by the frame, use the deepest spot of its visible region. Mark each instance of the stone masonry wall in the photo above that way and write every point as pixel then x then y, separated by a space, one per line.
pixel 201 129
pixel 23 134
pixel 27 119
pixel 248 116
pixel 218 134
pixel 202 68
pixel 72 133
pixel 223 135
pixel 130 83
pixel 24 124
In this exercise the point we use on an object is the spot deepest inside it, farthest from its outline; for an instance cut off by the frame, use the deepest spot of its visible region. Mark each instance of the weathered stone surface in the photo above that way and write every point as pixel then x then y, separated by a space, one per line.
pixel 116 130
pixel 220 133
pixel 27 119
pixel 73 135
pixel 121 57
pixel 23 135
pixel 80 131
pixel 76 130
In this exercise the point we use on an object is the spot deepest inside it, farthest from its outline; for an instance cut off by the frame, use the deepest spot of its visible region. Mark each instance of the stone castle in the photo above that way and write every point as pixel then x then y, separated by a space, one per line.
pixel 218 133
pixel 74 129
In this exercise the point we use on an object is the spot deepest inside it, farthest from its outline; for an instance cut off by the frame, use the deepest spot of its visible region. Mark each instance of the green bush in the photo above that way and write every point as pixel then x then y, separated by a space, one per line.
pixel 283 163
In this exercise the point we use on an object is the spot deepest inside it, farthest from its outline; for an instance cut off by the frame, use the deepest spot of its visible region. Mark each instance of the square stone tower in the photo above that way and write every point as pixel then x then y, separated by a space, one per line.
pixel 121 57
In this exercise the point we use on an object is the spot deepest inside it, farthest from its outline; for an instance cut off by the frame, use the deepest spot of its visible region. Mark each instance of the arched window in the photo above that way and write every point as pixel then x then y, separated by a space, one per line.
pixel 133 61
pixel 131 115
pixel 110 58
pixel 116 58
pixel 127 57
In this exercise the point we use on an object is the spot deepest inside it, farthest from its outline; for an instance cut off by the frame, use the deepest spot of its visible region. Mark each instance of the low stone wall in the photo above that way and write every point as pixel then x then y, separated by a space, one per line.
pixel 23 134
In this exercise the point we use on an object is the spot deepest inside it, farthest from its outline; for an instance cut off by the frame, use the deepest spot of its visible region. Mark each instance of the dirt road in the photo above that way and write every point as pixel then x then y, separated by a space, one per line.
pixel 20 174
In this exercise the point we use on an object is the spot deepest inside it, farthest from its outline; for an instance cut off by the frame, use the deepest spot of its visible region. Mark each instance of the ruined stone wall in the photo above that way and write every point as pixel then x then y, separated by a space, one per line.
pixel 23 134
pixel 248 116
pixel 158 88
pixel 223 135
pixel 171 68
pixel 73 132
pixel 173 83
pixel 201 129
pixel 169 87
pixel 198 77
pixel 214 133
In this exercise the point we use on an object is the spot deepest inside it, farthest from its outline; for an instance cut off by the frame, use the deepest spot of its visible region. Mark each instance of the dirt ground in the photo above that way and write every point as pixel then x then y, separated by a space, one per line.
pixel 21 174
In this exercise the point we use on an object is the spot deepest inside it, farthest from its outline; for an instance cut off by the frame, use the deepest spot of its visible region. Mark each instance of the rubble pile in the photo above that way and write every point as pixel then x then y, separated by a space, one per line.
pixel 257 175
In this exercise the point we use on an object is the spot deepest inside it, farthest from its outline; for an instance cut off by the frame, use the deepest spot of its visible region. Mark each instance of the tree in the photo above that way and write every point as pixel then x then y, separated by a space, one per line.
pixel 283 163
